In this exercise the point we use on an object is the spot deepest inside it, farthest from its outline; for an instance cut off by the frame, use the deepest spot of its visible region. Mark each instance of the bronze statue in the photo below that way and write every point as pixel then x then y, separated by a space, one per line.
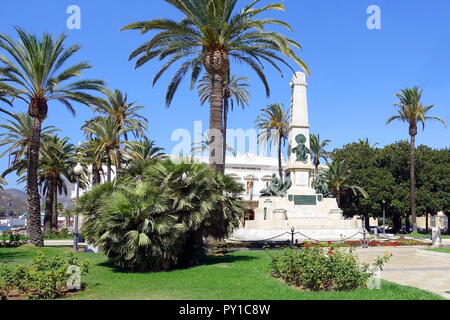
pixel 277 188
pixel 301 151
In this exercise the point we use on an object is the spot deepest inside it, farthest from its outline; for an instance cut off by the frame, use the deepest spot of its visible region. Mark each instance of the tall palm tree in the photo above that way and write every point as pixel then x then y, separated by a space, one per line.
pixel 56 167
pixel 274 125
pixel 208 35
pixel 412 111
pixel 318 150
pixel 103 135
pixel 36 69
pixel 89 156
pixel 235 91
pixel 124 113
pixel 17 135
pixel 337 177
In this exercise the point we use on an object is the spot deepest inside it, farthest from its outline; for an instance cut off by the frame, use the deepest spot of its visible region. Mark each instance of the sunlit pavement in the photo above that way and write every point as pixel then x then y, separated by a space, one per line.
pixel 412 266
pixel 62 243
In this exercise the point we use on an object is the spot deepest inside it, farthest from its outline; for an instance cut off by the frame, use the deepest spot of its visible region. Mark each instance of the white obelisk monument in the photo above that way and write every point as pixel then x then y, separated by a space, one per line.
pixel 300 206
pixel 302 172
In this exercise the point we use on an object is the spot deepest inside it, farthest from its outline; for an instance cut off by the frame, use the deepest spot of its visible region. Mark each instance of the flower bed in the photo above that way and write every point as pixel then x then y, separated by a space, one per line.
pixel 327 268
pixel 286 244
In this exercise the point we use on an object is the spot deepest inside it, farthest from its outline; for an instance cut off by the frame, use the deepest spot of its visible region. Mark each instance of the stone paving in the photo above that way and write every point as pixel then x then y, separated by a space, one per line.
pixel 412 266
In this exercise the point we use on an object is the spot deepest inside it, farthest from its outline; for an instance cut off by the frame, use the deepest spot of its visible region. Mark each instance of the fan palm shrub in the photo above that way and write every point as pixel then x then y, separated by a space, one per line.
pixel 210 34
pixel 36 68
pixel 158 222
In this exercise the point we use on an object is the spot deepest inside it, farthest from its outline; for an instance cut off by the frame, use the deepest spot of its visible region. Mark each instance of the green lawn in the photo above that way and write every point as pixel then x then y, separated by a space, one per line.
pixel 241 275
pixel 417 235
pixel 443 250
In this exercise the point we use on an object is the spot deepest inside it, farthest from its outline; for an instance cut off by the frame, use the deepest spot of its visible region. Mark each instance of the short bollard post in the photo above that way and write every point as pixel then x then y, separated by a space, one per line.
pixel 292 236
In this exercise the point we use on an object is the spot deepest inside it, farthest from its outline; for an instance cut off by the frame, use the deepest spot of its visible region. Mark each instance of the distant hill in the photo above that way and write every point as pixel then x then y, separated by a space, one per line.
pixel 13 201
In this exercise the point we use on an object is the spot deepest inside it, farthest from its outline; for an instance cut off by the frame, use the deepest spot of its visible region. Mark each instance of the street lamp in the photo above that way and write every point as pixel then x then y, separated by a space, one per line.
pixel 78 171
pixel 384 217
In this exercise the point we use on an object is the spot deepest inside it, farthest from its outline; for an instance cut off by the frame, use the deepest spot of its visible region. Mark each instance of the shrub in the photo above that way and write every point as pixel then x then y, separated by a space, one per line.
pixel 43 278
pixel 158 221
pixel 57 235
pixel 10 239
pixel 322 269
pixel 7 281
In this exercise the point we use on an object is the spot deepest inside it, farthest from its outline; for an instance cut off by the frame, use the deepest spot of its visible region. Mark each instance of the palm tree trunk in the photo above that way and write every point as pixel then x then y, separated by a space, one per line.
pixel 396 223
pixel 412 177
pixel 55 210
pixel 48 208
pixel 280 163
pixel 225 127
pixel 119 163
pixel 216 124
pixel 95 175
pixel 33 198
pixel 109 169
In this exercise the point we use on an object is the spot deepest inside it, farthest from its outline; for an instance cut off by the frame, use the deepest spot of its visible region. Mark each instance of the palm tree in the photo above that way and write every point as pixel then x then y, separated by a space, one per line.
pixel 209 34
pixel 144 149
pixel 235 91
pixel 318 150
pixel 274 123
pixel 3 98
pixel 56 166
pixel 103 143
pixel 367 142
pixel 124 113
pixel 35 69
pixel 412 111
pixel 17 135
pixel 337 177
pixel 89 157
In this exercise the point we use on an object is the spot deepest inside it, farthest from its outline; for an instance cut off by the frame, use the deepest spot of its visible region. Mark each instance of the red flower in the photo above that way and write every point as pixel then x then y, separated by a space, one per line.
pixel 331 252
pixel 329 242
pixel 307 246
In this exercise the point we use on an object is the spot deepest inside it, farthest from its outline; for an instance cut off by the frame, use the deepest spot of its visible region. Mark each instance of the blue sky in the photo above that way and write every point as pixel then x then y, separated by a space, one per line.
pixel 355 72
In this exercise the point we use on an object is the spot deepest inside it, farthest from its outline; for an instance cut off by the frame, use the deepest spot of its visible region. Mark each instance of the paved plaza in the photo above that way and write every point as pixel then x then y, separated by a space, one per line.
pixel 413 266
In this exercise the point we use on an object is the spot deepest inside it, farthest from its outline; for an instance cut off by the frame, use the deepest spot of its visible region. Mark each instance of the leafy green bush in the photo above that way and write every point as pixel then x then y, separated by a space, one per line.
pixel 57 235
pixel 10 239
pixel 43 278
pixel 322 269
pixel 158 221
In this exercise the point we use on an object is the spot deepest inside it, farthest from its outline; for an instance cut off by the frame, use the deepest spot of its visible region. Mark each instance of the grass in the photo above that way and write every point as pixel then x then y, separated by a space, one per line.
pixel 443 250
pixel 417 235
pixel 239 276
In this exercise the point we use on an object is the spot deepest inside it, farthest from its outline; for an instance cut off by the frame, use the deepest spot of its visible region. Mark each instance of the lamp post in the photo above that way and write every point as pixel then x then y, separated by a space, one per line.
pixel 384 217
pixel 78 170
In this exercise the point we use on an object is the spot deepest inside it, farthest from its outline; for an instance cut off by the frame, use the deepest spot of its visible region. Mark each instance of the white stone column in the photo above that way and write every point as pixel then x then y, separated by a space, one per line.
pixel 299 113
